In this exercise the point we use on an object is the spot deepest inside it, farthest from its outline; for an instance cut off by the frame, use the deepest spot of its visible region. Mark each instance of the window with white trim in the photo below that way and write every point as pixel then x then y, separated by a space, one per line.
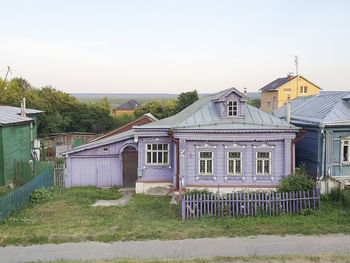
pixel 263 163
pixel 157 153
pixel 345 146
pixel 303 89
pixel 205 163
pixel 234 163
pixel 232 109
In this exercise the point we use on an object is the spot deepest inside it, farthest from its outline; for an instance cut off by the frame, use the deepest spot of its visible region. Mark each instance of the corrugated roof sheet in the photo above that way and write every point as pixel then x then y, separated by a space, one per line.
pixel 10 118
pixel 115 138
pixel 325 107
pixel 204 113
pixel 17 110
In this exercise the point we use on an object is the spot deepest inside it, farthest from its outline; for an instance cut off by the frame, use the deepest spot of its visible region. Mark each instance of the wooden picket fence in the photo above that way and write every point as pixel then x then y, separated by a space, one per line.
pixel 249 204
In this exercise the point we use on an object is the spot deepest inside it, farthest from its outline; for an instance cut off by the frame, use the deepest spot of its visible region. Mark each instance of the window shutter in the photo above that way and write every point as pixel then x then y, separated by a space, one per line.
pixel 329 147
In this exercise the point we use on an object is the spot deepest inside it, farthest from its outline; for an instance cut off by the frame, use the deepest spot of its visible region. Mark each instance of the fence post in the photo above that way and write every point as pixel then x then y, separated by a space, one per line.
pixel 319 198
pixel 183 207
pixel 314 197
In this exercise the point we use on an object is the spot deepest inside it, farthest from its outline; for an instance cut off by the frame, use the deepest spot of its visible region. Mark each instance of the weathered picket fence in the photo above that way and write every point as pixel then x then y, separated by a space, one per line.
pixel 249 204
pixel 60 174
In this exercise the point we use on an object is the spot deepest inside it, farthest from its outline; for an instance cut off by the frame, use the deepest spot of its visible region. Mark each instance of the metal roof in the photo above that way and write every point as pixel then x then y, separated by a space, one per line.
pixel 276 83
pixel 327 107
pixel 129 105
pixel 115 138
pixel 204 114
pixel 10 118
pixel 17 110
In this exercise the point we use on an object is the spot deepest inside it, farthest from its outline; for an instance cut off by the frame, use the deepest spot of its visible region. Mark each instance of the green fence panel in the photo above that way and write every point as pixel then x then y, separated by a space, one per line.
pixel 19 197
pixel 25 171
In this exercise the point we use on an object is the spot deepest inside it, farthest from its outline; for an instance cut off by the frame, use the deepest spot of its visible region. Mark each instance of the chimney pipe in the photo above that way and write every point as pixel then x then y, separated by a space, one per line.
pixel 23 108
pixel 288 110
pixel 245 91
pixel 273 104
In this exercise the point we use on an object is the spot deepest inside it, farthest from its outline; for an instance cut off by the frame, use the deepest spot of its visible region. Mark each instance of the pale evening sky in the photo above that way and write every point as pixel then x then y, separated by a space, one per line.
pixel 174 46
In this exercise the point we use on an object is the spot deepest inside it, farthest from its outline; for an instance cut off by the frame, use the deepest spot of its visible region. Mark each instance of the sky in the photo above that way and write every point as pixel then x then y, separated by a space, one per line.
pixel 174 46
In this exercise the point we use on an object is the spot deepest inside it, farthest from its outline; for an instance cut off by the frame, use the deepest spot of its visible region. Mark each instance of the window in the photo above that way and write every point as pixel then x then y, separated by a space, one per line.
pixel 303 89
pixel 263 163
pixel 206 163
pixel 345 151
pixel 157 153
pixel 105 149
pixel 232 108
pixel 234 163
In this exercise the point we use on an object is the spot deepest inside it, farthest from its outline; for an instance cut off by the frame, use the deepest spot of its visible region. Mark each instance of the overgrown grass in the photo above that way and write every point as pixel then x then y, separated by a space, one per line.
pixel 69 217
pixel 5 191
pixel 264 259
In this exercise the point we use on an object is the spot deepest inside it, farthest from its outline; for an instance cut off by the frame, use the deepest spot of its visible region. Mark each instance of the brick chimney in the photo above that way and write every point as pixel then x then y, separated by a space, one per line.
pixel 290 76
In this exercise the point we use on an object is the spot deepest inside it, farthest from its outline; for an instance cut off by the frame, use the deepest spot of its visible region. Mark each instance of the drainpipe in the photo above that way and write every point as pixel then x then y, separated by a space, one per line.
pixel 302 133
pixel 171 138
pixel 323 153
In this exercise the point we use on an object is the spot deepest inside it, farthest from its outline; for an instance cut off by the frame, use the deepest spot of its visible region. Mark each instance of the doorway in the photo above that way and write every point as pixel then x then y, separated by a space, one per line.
pixel 130 164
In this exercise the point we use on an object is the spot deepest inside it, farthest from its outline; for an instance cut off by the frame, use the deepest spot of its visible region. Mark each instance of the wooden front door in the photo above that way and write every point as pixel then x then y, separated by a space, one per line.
pixel 129 169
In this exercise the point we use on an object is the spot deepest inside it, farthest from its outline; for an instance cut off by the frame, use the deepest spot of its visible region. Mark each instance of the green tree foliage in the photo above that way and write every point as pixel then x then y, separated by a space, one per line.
pixel 62 112
pixel 166 108
pixel 159 109
pixel 185 99
pixel 296 183
pixel 255 103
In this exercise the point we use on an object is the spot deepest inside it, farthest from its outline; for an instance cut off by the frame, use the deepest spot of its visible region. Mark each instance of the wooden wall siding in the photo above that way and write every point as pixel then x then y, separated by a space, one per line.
pixel 189 170
pixel 156 172
pixel 337 169
pixel 96 167
pixel 222 106
pixel 100 172
pixel 16 146
pixel 308 150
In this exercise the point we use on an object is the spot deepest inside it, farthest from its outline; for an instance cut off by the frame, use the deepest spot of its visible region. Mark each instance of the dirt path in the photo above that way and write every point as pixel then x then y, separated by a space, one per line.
pixel 188 248
pixel 127 195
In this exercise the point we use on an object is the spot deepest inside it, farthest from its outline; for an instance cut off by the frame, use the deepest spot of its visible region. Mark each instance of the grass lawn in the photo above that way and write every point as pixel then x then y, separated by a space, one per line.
pixel 263 259
pixel 70 218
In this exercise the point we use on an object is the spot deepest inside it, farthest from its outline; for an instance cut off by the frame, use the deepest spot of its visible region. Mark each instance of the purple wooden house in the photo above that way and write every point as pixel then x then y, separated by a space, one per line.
pixel 218 142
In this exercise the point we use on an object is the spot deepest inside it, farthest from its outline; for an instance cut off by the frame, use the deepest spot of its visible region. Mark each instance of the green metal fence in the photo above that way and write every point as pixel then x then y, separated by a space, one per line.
pixel 20 196
pixel 25 171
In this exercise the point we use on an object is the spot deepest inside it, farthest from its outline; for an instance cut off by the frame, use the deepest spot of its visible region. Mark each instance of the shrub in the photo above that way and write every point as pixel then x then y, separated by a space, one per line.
pixel 41 195
pixel 295 183
pixel 198 191
pixel 342 196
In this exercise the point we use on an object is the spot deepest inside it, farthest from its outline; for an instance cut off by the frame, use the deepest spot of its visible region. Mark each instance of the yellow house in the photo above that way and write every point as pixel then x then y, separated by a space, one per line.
pixel 276 93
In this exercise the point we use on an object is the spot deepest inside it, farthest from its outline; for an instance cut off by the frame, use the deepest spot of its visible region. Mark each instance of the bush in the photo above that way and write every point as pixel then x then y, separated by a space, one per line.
pixel 41 195
pixel 342 196
pixel 296 183
pixel 198 191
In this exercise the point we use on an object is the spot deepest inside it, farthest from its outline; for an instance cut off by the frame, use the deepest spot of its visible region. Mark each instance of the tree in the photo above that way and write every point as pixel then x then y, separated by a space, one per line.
pixel 185 99
pixel 159 109
pixel 255 103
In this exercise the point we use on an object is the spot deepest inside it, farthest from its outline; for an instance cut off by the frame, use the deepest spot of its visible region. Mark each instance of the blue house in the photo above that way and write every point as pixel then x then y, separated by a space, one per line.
pixel 326 119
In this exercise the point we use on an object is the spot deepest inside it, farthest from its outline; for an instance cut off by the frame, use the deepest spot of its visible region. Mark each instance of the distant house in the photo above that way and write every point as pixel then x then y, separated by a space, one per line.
pixel 65 141
pixel 143 120
pixel 17 135
pixel 219 142
pixel 276 93
pixel 127 107
pixel 326 119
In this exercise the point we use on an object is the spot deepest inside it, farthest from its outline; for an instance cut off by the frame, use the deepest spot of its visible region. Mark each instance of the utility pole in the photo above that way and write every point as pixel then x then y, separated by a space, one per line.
pixel 8 70
pixel 297 73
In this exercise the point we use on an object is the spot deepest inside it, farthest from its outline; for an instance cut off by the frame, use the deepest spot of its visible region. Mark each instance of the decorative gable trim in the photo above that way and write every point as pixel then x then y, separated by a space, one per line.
pixel 263 145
